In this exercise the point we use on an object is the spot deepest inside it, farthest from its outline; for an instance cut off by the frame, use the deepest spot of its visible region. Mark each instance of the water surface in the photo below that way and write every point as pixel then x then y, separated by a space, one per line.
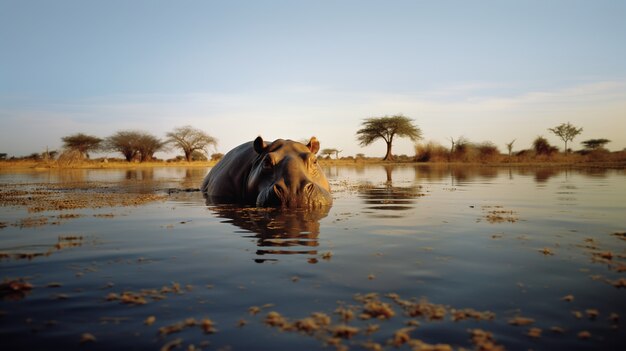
pixel 546 244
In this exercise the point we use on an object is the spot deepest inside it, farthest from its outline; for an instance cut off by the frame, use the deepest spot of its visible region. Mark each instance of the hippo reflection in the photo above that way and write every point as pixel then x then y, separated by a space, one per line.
pixel 277 232
pixel 283 173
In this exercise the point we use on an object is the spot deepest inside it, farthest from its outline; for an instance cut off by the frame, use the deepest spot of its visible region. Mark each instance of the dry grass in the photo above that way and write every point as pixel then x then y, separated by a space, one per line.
pixel 425 153
pixel 91 164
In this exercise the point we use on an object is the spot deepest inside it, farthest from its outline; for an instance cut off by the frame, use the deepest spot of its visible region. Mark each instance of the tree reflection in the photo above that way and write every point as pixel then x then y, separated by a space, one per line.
pixel 458 174
pixel 140 174
pixel 389 201
pixel 278 232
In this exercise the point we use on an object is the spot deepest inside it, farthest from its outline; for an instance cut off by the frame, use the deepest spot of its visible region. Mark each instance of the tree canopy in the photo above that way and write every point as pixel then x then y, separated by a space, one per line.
pixel 190 139
pixel 82 143
pixel 543 147
pixel 124 142
pixel 566 131
pixel 387 128
pixel 594 144
pixel 134 144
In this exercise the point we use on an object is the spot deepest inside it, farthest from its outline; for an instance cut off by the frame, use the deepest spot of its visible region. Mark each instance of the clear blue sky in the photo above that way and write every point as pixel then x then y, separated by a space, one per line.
pixel 486 70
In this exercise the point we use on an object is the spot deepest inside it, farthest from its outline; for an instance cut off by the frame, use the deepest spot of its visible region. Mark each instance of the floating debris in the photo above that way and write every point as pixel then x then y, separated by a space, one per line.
pixel 275 319
pixel 207 326
pixel 534 333
pixel 172 344
pixel 546 251
pixel 401 336
pixel 469 313
pixel 557 330
pixel 483 340
pixel 149 320
pixel 87 337
pixel 520 321
pixel 499 215
pixel 346 314
pixel 620 235
pixel 377 309
pixel 592 313
pixel 15 289
pixel 344 331
pixel 141 297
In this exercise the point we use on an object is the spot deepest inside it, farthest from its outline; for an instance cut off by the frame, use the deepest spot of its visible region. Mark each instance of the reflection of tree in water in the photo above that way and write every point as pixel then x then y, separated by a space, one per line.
pixel 465 173
pixel 543 174
pixel 140 174
pixel 595 172
pixel 458 174
pixel 278 232
pixel 389 201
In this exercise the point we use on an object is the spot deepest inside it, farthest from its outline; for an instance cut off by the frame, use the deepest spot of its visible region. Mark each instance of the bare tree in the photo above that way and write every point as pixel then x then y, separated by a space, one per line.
pixel 387 128
pixel 190 139
pixel 566 131
pixel 509 147
pixel 337 152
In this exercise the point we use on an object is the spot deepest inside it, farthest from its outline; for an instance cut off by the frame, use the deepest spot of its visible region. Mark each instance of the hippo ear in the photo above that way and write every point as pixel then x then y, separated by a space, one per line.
pixel 259 145
pixel 313 145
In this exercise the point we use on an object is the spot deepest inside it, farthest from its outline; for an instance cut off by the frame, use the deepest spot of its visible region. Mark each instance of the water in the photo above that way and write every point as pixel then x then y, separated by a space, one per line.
pixel 540 243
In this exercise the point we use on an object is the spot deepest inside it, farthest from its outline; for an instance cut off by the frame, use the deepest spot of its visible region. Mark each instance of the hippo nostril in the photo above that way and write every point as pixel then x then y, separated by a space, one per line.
pixel 279 192
pixel 309 188
pixel 277 189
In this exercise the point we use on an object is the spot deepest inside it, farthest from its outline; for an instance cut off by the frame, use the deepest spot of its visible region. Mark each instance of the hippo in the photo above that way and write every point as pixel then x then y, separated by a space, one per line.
pixel 283 173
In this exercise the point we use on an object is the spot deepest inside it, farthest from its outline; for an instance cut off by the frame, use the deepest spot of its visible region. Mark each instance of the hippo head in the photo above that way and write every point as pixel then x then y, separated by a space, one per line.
pixel 286 174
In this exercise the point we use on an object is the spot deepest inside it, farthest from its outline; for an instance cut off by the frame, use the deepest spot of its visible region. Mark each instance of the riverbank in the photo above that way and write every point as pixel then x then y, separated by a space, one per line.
pixel 99 164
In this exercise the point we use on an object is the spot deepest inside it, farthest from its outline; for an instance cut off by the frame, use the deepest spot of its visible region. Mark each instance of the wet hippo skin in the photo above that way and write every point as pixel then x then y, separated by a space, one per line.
pixel 282 173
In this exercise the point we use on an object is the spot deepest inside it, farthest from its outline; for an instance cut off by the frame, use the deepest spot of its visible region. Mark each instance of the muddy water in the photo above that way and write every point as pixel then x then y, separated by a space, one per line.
pixel 405 258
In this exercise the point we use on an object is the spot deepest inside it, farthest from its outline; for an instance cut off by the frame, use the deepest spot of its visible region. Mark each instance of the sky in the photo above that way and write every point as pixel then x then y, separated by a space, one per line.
pixel 485 70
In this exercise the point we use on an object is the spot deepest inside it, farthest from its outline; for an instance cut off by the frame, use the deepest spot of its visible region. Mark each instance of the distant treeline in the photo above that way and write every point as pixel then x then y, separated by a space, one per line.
pixel 133 145
pixel 140 146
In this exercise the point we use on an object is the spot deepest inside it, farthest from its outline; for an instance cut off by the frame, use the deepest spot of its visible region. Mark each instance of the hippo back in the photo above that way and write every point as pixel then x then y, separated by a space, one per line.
pixel 226 180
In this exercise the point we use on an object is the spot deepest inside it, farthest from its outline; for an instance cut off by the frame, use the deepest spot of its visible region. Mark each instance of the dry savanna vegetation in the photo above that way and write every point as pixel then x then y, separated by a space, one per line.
pixel 138 148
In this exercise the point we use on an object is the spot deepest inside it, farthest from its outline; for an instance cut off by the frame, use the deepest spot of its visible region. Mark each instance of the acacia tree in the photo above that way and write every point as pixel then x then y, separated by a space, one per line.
pixel 190 139
pixel 566 131
pixel 594 144
pixel 328 152
pixel 82 143
pixel 387 128
pixel 133 144
pixel 124 142
pixel 147 145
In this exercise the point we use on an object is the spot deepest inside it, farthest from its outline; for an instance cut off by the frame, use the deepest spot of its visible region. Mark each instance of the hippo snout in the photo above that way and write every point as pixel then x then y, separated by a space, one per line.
pixel 308 195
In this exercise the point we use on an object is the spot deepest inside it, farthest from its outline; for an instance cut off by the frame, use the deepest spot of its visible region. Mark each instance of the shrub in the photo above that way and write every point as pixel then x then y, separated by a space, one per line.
pixel 431 152
pixel 543 147
pixel 487 151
